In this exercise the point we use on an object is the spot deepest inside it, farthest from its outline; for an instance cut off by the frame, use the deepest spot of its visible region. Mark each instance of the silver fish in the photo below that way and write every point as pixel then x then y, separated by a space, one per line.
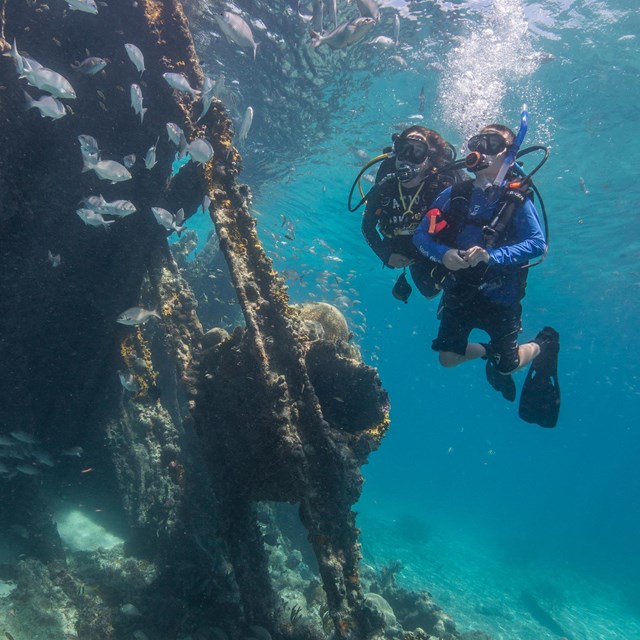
pixel 174 132
pixel 179 82
pixel 167 220
pixel 27 469
pixel 73 452
pixel 150 159
pixel 129 160
pixel 93 219
pixel 207 96
pixel 583 186
pixel 24 437
pixel 90 66
pixel 17 58
pixel 87 6
pixel 344 35
pixel 200 150
pixel 53 259
pixel 382 41
pixel 246 125
pixel 236 30
pixel 130 611
pixel 47 80
pixel 48 106
pixel 118 208
pixel 128 381
pixel 135 55
pixel 396 29
pixel 107 170
pixel 88 146
pixel 369 9
pixel 136 101
pixel 136 315
pixel 43 457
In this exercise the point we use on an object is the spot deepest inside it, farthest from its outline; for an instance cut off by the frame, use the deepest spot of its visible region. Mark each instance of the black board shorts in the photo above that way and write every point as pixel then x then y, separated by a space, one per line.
pixel 502 322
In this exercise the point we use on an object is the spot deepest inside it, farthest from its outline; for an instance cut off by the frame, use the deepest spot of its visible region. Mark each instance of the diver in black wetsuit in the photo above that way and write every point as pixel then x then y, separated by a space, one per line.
pixel 406 185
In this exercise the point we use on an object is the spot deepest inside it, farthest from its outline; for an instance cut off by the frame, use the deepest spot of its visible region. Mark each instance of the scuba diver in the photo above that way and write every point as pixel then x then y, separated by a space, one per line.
pixel 485 232
pixel 406 183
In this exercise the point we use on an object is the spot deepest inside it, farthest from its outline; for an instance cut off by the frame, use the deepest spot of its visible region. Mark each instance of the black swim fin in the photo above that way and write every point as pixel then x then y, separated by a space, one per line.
pixel 540 395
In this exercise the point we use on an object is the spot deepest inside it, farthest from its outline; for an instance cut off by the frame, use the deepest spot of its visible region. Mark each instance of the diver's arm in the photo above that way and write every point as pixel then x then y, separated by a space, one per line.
pixel 531 244
pixel 424 241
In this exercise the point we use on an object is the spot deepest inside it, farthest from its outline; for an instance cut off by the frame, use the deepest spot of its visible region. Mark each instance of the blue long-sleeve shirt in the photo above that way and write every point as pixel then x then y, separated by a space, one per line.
pixel 523 241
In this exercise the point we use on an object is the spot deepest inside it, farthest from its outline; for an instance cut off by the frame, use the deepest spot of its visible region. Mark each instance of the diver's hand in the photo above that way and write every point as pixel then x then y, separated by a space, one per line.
pixel 475 256
pixel 398 261
pixel 454 260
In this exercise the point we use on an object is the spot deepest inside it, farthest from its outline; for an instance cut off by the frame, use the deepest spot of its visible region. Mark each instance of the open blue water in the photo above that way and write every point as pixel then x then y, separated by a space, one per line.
pixel 492 515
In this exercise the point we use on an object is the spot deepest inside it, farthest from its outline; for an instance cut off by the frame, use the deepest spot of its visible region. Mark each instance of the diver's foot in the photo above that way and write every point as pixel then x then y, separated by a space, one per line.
pixel 500 382
pixel 547 340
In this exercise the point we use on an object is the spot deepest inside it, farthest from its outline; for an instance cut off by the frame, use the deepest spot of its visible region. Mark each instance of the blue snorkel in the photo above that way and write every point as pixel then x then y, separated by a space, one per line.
pixel 510 158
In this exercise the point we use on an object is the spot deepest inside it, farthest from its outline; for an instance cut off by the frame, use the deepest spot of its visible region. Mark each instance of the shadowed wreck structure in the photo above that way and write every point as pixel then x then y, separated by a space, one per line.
pixel 192 467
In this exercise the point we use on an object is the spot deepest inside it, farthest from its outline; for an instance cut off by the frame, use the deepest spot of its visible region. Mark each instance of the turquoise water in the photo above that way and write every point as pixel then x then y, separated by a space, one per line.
pixel 490 514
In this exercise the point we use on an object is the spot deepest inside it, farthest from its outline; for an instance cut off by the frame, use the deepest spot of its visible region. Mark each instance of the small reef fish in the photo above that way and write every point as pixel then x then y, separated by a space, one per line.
pixel 208 88
pixel 179 82
pixel 174 132
pixel 130 610
pixel 583 186
pixel 48 106
pixel 396 29
pixel 119 208
pixel 27 469
pixel 43 457
pixel 48 81
pixel 169 221
pixel 93 219
pixel 136 101
pixel 236 30
pixel 200 150
pixel 383 41
pixel 135 55
pixel 369 9
pixel 73 452
pixel 136 315
pixel 344 35
pixel 24 437
pixel 87 6
pixel 88 146
pixel 107 170
pixel 90 66
pixel 128 381
pixel 150 159
pixel 54 260
pixel 246 125
pixel 129 160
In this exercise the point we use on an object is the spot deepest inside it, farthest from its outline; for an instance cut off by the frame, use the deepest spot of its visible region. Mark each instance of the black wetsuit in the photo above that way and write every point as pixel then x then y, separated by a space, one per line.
pixel 388 225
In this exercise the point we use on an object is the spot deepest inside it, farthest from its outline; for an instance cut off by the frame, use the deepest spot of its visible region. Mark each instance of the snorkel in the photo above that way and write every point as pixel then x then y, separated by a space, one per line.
pixel 512 152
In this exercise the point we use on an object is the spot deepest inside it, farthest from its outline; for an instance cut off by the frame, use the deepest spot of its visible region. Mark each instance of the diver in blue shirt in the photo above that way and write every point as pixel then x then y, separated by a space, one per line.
pixel 486 257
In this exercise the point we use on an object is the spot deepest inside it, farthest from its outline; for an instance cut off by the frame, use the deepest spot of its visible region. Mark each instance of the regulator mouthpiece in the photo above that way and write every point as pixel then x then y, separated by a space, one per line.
pixel 475 161
pixel 406 172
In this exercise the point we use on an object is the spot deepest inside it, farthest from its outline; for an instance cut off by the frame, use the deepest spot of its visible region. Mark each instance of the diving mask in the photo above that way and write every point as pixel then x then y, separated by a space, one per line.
pixel 412 151
pixel 487 143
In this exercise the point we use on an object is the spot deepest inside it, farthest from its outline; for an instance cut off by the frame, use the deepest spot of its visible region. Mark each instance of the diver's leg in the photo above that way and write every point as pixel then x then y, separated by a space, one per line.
pixel 452 340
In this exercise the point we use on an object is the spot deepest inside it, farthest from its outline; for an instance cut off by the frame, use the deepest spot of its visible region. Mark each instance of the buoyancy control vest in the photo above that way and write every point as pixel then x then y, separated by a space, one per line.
pixel 446 227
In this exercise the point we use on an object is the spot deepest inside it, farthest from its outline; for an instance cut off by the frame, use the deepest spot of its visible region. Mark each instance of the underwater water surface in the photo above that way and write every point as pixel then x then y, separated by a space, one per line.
pixel 520 531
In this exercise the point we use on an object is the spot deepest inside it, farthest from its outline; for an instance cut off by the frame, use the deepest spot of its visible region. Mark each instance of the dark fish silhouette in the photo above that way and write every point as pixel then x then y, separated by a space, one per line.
pixel 541 616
